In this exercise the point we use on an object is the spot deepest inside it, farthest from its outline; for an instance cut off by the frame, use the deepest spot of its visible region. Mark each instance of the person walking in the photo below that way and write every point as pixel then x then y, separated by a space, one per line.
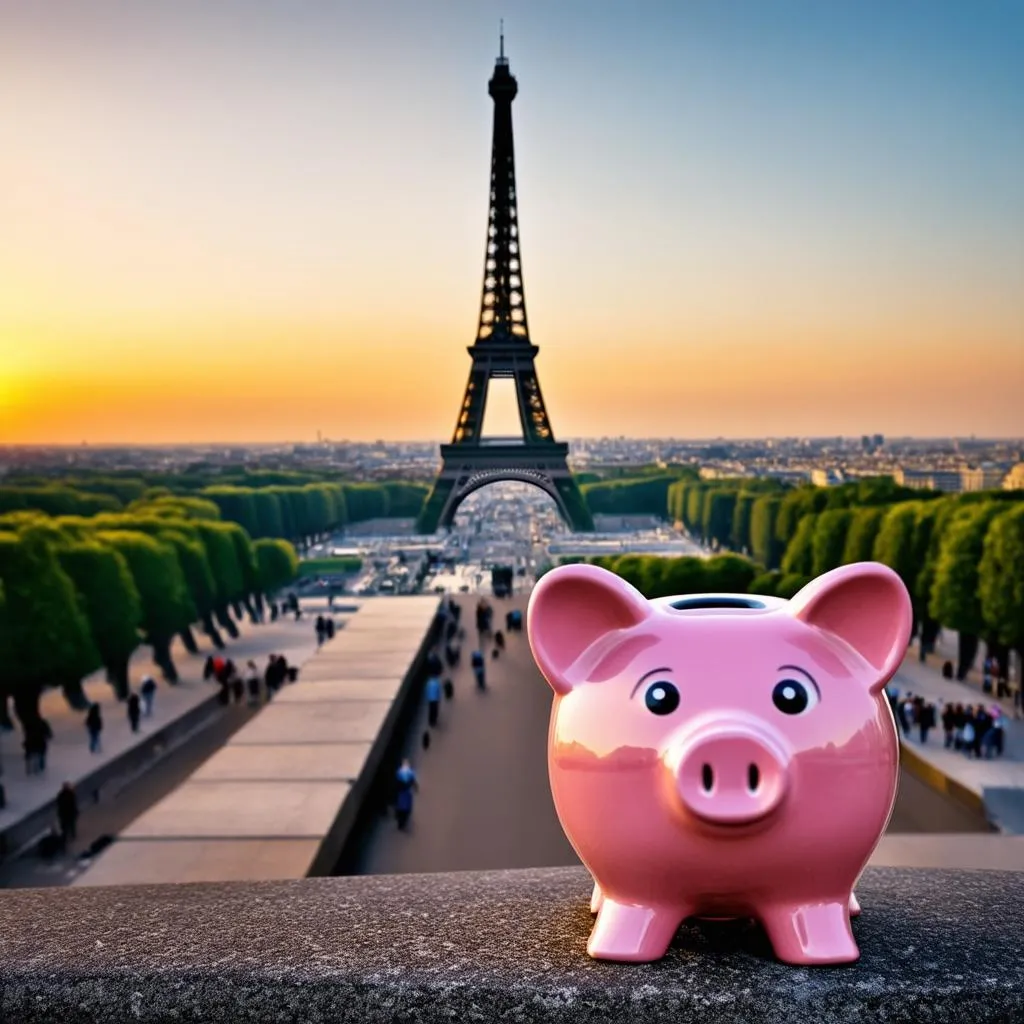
pixel 252 683
pixel 407 785
pixel 148 691
pixel 134 711
pixel 479 669
pixel 67 814
pixel 94 726
pixel 433 700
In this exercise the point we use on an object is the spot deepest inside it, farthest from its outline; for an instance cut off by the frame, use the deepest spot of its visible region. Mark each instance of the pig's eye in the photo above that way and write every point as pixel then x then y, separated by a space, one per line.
pixel 661 698
pixel 792 697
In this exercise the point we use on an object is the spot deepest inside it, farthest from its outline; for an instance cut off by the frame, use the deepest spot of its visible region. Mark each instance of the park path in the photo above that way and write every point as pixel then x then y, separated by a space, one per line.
pixel 998 781
pixel 485 800
pixel 68 757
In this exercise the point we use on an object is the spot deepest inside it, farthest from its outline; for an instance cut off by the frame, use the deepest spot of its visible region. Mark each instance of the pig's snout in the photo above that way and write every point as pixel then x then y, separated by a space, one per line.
pixel 732 776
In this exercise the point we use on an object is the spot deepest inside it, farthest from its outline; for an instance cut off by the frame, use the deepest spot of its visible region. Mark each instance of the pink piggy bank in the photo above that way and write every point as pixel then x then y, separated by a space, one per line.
pixel 722 755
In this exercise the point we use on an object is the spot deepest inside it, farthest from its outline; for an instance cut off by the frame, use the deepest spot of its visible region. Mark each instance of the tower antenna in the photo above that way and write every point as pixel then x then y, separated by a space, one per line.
pixel 501 37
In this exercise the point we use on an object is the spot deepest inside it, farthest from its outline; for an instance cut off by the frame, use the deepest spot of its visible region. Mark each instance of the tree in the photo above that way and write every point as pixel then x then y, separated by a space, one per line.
pixel 1001 579
pixel 894 543
pixel 246 559
pixel 861 533
pixel 729 574
pixel 229 580
pixel 277 564
pixel 268 513
pixel 766 583
pixel 684 575
pixel 954 600
pixel 931 529
pixel 763 544
pixel 799 556
pixel 829 541
pixel 718 514
pixel 791 584
pixel 694 516
pixel 741 517
pixel 47 633
pixel 166 606
pixel 111 603
pixel 795 505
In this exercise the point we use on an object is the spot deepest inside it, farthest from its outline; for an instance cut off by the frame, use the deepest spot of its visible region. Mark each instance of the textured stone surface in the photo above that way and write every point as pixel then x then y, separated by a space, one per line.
pixel 937 946
pixel 353 721
pixel 239 810
pixel 149 862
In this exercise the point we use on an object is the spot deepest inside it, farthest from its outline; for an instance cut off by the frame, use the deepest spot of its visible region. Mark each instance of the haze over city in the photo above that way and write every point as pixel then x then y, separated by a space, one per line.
pixel 256 221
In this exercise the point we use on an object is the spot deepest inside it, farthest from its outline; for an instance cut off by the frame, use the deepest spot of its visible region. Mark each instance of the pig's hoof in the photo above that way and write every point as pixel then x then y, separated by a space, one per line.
pixel 817 933
pixel 596 899
pixel 637 934
pixel 854 905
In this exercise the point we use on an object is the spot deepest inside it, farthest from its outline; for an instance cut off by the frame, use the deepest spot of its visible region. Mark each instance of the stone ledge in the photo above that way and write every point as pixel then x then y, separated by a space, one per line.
pixel 941 946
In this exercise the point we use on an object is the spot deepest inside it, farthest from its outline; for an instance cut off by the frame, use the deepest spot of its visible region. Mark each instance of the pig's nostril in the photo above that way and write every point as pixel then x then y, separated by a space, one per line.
pixel 753 778
pixel 708 777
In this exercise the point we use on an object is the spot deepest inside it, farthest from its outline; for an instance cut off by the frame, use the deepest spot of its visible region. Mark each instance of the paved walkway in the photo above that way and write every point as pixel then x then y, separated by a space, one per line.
pixel 998 782
pixel 279 798
pixel 68 757
pixel 485 799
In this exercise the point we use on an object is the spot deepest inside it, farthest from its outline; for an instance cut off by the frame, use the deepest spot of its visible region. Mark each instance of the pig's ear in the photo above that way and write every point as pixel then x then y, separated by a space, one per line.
pixel 570 608
pixel 866 605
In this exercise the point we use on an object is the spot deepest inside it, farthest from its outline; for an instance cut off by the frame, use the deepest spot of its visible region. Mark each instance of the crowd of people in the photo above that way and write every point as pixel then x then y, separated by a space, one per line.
pixel 451 635
pixel 976 730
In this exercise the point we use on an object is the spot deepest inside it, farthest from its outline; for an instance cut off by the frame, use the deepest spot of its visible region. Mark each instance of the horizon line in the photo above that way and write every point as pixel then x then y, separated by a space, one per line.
pixel 77 446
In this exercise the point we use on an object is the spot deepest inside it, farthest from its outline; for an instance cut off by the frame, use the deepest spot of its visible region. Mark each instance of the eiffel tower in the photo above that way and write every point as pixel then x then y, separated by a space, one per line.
pixel 503 350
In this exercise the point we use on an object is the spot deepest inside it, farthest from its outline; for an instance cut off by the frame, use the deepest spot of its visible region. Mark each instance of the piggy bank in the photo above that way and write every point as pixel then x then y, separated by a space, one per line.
pixel 722 756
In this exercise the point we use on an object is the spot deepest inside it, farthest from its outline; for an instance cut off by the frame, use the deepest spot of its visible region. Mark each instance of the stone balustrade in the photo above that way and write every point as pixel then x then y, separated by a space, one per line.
pixel 937 946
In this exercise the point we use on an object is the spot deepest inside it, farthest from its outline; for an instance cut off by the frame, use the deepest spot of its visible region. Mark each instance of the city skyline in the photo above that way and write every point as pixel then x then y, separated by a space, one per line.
pixel 246 225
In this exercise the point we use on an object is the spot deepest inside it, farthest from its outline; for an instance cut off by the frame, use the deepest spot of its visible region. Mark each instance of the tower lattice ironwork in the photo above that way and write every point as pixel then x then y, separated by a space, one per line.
pixel 503 349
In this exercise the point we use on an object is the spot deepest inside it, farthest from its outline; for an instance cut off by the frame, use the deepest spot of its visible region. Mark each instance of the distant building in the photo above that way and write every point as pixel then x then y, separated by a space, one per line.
pixel 827 477
pixel 983 478
pixel 1015 478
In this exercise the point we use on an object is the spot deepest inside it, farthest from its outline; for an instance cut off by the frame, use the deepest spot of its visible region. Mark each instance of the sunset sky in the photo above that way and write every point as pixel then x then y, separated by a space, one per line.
pixel 249 221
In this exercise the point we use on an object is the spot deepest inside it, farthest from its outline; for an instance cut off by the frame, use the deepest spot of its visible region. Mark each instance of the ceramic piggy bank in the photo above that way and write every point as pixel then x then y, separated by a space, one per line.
pixel 722 756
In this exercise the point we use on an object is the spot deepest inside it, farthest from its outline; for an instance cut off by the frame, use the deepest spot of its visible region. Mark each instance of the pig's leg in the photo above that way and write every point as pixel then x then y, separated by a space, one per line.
pixel 596 899
pixel 854 905
pixel 638 934
pixel 811 933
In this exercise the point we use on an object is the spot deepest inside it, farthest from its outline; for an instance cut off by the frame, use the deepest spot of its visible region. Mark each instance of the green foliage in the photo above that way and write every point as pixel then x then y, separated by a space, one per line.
pixel 108 596
pixel 237 505
pixel 405 499
pixel 166 604
pixel 56 501
pixel 1001 578
pixel 791 584
pixel 366 501
pixel 277 563
pixel 694 516
pixel 719 506
pixel 764 546
pixel 46 631
pixel 829 540
pixel 894 544
pixel 766 583
pixel 728 574
pixel 631 496
pixel 176 506
pixel 860 536
pixel 799 556
pixel 229 578
pixel 795 505
pixel 954 597
pixel 739 538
